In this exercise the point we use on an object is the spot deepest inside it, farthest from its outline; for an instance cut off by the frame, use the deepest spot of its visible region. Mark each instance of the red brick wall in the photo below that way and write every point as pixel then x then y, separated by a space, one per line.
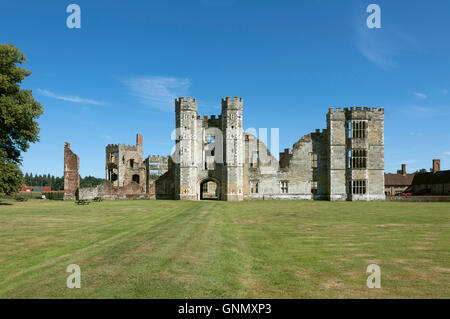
pixel 71 175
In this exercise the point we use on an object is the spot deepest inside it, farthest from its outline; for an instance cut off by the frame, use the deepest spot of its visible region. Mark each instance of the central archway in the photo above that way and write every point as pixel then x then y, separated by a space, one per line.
pixel 209 189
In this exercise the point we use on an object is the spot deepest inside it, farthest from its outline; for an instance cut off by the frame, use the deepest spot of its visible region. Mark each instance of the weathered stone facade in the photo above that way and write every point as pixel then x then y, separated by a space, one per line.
pixel 215 158
pixel 209 149
pixel 124 164
pixel 343 162
pixel 106 190
pixel 71 175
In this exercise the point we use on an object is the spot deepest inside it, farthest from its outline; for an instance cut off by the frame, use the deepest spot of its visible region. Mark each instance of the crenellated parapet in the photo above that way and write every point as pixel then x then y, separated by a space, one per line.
pixel 319 133
pixel 356 108
pixel 185 104
pixel 112 148
pixel 236 103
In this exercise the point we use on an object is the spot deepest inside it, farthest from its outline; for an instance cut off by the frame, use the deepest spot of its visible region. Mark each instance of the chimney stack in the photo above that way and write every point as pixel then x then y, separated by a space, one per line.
pixel 138 140
pixel 403 169
pixel 436 165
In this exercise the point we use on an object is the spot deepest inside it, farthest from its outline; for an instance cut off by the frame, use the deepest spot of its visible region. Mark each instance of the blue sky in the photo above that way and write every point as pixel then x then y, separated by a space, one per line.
pixel 289 60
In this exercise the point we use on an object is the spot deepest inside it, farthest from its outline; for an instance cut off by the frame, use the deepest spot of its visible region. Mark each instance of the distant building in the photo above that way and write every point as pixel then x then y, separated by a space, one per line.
pixel 395 184
pixel 26 188
pixel 436 182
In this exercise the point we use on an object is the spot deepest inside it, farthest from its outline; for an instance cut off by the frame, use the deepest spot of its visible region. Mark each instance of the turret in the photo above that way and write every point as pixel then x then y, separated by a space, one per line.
pixel 232 109
pixel 235 103
pixel 185 104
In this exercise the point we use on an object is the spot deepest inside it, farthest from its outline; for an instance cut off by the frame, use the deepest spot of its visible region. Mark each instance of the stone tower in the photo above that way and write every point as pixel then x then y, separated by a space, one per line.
pixel 356 153
pixel 71 175
pixel 187 159
pixel 124 163
pixel 233 149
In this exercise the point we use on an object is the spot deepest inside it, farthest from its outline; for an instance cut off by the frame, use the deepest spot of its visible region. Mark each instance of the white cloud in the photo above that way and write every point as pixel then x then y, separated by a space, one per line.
pixel 382 47
pixel 447 153
pixel 422 96
pixel 108 137
pixel 158 92
pixel 69 98
pixel 421 109
pixel 375 49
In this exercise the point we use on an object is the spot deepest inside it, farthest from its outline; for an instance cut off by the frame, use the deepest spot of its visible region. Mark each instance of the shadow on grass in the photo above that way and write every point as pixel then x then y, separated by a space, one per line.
pixel 5 204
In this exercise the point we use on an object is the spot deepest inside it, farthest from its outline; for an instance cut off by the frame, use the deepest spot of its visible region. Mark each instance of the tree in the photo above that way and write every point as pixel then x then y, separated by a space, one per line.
pixel 11 177
pixel 18 114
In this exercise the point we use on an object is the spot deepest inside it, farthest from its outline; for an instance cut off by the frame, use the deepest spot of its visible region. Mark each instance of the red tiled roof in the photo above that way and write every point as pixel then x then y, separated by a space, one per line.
pixel 398 179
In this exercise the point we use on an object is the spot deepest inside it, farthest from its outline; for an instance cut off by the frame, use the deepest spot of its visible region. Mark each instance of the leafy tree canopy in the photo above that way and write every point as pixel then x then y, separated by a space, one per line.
pixel 18 114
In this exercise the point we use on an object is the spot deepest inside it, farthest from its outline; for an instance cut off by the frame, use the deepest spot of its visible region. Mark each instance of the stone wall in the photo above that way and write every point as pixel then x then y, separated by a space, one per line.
pixel 423 199
pixel 107 191
pixel 71 175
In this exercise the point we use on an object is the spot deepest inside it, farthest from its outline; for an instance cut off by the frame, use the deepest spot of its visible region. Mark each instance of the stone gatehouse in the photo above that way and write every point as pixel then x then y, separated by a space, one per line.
pixel 345 161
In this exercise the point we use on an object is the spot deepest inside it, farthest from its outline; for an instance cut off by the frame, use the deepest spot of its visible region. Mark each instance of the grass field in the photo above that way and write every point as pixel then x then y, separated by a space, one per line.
pixel 260 249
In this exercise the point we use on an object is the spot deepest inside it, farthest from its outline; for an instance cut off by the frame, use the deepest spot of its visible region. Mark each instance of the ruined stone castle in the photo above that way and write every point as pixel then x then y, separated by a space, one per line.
pixel 215 158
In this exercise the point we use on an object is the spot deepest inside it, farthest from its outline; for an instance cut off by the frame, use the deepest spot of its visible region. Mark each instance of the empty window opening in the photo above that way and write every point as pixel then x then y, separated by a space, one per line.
pixel 254 187
pixel 358 187
pixel 357 159
pixel 358 129
pixel 349 129
pixel 132 163
pixel 254 159
pixel 136 178
pixel 313 187
pixel 284 187
pixel 313 160
pixel 155 172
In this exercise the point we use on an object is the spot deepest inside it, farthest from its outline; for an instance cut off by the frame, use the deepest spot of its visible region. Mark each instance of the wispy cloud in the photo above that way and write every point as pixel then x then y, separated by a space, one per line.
pixel 422 96
pixel 421 109
pixel 375 48
pixel 447 153
pixel 381 46
pixel 69 98
pixel 158 92
pixel 107 137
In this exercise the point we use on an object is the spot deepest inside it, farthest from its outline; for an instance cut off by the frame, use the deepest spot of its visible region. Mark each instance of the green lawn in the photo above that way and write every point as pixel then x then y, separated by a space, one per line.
pixel 260 249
